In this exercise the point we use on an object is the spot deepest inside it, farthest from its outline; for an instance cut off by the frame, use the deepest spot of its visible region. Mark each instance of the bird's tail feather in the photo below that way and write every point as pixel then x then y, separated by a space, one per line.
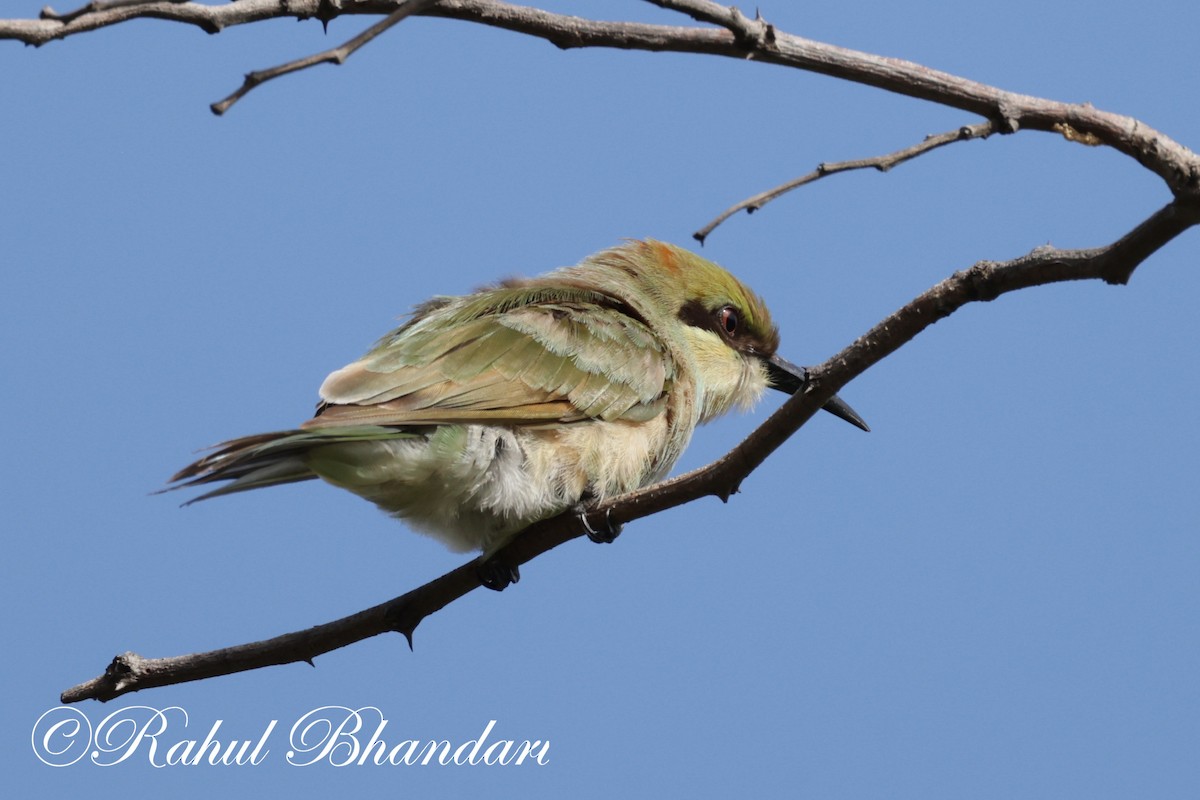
pixel 269 459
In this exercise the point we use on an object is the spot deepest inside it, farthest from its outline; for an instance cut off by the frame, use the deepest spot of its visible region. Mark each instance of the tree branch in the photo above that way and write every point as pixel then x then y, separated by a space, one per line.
pixel 982 282
pixel 1083 123
pixel 95 6
pixel 752 34
pixel 334 55
pixel 724 32
pixel 882 163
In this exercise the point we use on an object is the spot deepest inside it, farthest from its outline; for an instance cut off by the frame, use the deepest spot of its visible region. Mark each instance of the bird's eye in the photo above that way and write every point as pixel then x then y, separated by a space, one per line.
pixel 728 317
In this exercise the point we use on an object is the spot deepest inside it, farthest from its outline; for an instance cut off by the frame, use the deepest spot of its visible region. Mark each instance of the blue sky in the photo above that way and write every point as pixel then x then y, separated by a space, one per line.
pixel 993 594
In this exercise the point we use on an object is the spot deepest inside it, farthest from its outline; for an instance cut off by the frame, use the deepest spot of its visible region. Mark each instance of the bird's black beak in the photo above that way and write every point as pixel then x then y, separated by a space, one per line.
pixel 787 377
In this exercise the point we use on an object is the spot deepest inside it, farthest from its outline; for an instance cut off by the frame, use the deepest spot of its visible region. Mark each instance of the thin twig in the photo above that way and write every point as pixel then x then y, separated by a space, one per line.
pixel 97 5
pixel 335 55
pixel 753 34
pixel 882 163
pixel 982 282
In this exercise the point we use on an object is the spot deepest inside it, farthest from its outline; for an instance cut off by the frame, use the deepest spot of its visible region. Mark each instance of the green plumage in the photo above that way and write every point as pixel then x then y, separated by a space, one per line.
pixel 486 412
pixel 497 355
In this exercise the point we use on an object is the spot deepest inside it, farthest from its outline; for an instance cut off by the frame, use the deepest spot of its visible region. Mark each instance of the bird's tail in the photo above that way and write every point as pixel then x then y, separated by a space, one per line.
pixel 269 459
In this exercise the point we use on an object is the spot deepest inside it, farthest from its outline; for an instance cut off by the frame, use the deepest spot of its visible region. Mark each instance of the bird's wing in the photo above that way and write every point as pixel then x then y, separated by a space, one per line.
pixel 548 362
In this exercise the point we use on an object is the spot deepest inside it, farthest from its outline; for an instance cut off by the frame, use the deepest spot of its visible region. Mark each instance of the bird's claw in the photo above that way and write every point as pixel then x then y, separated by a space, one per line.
pixel 608 531
pixel 497 575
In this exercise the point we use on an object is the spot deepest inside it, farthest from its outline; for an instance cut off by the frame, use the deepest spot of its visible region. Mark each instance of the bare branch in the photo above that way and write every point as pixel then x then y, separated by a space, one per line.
pixel 1171 161
pixel 335 55
pixel 982 282
pixel 94 6
pixel 729 33
pixel 750 33
pixel 882 163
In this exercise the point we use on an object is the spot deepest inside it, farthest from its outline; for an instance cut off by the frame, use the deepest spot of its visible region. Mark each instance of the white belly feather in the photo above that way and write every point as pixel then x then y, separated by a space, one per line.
pixel 473 486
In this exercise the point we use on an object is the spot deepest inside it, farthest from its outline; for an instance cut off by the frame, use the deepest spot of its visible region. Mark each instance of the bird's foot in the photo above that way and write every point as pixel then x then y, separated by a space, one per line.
pixel 607 533
pixel 496 574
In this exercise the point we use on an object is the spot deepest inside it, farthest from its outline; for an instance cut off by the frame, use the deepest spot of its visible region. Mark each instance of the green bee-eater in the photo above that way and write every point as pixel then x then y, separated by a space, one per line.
pixel 485 413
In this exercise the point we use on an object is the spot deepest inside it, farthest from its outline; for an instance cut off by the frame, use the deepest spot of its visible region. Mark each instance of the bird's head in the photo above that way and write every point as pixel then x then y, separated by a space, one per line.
pixel 727 327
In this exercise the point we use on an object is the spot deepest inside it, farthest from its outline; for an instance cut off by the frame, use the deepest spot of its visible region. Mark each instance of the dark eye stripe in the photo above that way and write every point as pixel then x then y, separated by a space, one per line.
pixel 726 321
pixel 729 323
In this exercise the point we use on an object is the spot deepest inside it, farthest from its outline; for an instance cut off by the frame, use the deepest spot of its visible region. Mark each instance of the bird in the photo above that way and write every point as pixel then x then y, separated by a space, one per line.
pixel 484 413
